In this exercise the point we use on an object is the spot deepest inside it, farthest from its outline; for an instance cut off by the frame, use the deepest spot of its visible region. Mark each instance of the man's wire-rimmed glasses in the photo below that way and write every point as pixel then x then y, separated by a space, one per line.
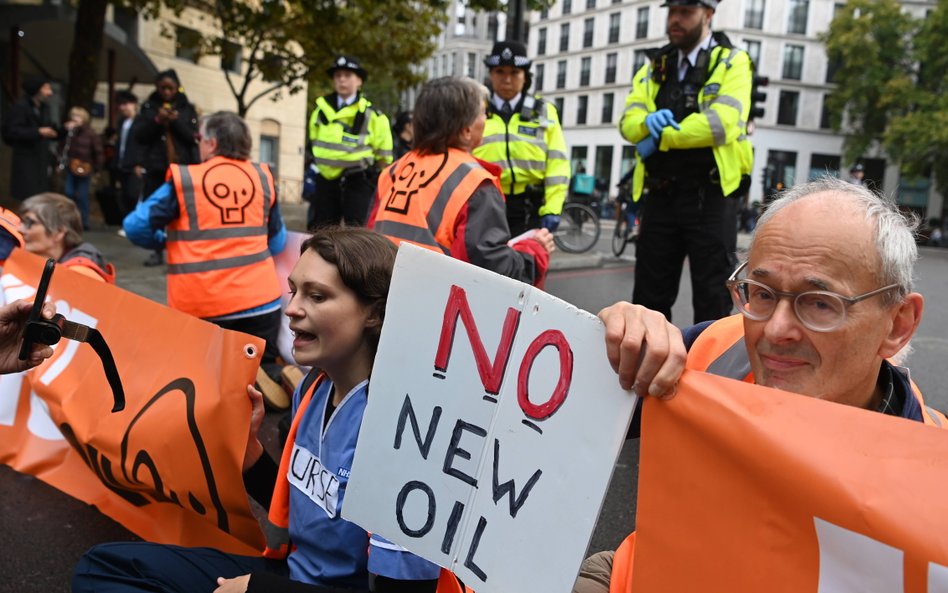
pixel 817 310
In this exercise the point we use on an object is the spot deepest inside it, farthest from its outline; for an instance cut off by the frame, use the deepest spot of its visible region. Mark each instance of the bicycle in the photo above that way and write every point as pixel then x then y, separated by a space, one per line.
pixel 579 228
pixel 627 222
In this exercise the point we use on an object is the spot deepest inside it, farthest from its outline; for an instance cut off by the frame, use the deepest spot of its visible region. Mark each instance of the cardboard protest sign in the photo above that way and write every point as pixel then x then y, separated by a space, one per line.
pixel 493 425
pixel 168 466
pixel 745 488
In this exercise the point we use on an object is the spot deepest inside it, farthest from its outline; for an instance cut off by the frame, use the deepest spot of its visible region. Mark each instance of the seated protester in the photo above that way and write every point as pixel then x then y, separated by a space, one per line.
pixel 338 292
pixel 456 205
pixel 52 227
pixel 826 310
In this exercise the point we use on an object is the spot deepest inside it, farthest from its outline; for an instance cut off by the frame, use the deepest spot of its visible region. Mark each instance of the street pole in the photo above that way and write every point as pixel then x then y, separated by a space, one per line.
pixel 516 21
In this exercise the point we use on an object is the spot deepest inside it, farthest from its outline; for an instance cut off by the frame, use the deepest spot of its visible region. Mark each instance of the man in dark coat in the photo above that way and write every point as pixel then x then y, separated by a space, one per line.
pixel 28 130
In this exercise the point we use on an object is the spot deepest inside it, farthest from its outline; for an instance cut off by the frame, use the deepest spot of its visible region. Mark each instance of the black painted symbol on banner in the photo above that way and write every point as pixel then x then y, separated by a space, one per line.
pixel 141 480
pixel 230 189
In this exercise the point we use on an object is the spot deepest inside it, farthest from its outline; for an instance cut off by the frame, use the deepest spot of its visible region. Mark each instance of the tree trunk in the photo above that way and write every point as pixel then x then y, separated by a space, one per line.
pixel 85 53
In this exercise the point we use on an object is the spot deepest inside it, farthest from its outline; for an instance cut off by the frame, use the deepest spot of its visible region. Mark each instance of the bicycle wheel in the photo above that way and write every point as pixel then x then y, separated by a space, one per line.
pixel 620 236
pixel 579 229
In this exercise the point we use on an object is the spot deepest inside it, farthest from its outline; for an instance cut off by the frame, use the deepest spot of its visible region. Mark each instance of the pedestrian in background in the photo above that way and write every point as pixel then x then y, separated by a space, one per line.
pixel 29 130
pixel 223 227
pixel 455 205
pixel 524 138
pixel 166 133
pixel 402 134
pixel 351 141
pixel 127 174
pixel 686 115
pixel 82 157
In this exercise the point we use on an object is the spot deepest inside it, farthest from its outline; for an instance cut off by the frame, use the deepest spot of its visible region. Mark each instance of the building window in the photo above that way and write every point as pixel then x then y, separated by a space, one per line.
pixel 564 37
pixel 585 67
pixel 544 14
pixel 561 74
pixel 832 67
pixel 472 64
pixel 541 42
pixel 187 44
pixel 567 6
pixel 788 107
pixel 614 20
pixel 577 159
pixel 270 144
pixel 608 103
pixel 638 59
pixel 581 106
pixel 231 56
pixel 753 50
pixel 793 62
pixel 823 165
pixel 799 9
pixel 588 26
pixel 641 23
pixel 781 170
pixel 603 165
pixel 271 67
pixel 754 14
pixel 492 26
pixel 612 61
pixel 826 121
pixel 558 102
pixel 541 70
pixel 626 159
pixel 590 4
pixel 126 19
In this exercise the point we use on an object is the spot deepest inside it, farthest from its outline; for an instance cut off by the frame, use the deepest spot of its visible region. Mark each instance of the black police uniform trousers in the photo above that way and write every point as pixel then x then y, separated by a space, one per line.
pixel 681 219
pixel 523 211
pixel 344 199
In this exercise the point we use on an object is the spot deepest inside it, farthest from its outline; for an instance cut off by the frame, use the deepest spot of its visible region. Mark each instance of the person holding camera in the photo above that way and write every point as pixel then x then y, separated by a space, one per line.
pixel 82 157
pixel 166 132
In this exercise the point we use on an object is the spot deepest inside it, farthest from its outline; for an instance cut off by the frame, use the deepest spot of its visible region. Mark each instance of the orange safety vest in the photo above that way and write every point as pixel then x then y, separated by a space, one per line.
pixel 87 267
pixel 276 527
pixel 218 258
pixel 720 350
pixel 420 197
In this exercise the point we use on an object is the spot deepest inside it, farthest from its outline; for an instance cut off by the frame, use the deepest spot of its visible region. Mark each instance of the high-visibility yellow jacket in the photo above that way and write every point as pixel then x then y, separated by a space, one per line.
pixel 531 150
pixel 355 137
pixel 720 122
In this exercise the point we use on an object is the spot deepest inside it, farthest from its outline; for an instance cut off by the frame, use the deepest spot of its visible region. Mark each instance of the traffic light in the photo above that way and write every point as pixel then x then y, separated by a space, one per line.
pixel 758 97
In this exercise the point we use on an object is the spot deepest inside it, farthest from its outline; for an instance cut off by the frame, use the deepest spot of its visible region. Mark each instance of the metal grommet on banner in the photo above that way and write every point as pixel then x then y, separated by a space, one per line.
pixel 250 351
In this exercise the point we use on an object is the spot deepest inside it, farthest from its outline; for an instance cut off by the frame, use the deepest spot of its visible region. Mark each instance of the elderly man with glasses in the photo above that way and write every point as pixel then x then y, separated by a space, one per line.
pixel 826 310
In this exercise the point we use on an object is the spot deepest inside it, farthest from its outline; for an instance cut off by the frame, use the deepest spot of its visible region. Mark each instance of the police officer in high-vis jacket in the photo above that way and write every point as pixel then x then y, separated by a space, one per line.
pixel 351 142
pixel 687 115
pixel 523 136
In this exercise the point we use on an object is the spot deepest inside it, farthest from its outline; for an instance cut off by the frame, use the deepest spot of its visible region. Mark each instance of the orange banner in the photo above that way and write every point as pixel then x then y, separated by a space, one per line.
pixel 168 466
pixel 745 488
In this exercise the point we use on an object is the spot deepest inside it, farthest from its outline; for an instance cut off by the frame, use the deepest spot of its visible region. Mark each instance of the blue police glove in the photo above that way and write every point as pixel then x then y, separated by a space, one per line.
pixel 659 120
pixel 647 147
pixel 550 222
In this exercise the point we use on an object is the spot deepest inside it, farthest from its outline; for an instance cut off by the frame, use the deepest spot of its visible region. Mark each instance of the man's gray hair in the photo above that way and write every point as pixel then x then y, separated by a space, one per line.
pixel 231 133
pixel 894 232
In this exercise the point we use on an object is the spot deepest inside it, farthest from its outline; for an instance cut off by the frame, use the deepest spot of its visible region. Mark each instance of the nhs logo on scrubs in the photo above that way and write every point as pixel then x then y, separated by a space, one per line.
pixel 308 475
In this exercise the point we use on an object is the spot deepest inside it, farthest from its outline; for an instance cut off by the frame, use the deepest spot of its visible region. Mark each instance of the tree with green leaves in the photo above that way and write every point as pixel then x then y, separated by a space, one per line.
pixel 891 86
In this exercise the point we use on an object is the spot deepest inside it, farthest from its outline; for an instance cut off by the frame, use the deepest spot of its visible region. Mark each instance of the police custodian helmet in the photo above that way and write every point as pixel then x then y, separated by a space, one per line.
pixel 347 63
pixel 712 4
pixel 508 53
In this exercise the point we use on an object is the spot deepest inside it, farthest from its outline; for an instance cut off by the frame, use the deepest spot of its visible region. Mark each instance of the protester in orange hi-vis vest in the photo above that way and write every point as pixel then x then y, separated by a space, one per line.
pixel 51 226
pixel 339 289
pixel 827 311
pixel 442 198
pixel 221 223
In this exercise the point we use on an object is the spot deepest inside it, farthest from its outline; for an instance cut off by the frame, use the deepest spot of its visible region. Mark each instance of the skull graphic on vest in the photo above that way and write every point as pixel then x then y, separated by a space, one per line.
pixel 230 189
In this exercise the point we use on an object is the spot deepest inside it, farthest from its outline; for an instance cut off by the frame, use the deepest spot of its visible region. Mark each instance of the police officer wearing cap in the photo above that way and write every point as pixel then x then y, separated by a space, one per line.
pixel 687 115
pixel 351 142
pixel 524 138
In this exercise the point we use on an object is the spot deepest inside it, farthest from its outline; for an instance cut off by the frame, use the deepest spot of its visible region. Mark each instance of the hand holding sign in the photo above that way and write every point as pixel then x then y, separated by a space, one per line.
pixel 493 425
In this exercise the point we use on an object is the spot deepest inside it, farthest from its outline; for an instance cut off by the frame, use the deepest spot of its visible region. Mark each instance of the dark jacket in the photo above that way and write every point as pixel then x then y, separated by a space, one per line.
pixel 151 136
pixel 32 157
pixel 85 145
